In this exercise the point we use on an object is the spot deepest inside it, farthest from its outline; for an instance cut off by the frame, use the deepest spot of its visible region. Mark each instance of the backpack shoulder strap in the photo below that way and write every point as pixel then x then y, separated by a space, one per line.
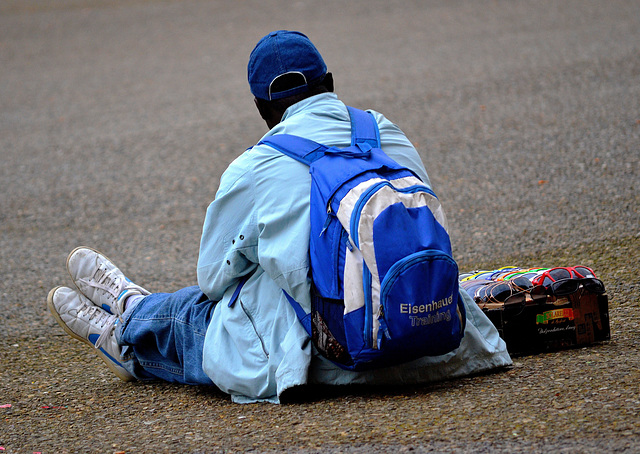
pixel 364 136
pixel 302 150
pixel 364 128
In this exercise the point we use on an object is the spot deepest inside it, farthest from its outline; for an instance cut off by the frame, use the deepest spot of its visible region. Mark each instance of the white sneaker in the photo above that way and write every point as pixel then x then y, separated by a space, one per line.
pixel 90 324
pixel 100 280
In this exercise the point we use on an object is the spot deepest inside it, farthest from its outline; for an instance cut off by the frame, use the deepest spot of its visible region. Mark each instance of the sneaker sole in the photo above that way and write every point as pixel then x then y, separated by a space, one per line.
pixel 103 356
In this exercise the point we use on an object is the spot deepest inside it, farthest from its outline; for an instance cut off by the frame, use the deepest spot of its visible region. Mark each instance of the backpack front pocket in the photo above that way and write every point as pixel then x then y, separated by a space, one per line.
pixel 428 316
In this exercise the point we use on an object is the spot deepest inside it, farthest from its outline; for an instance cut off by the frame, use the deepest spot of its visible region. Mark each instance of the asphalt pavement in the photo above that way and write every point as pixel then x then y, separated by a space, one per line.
pixel 117 119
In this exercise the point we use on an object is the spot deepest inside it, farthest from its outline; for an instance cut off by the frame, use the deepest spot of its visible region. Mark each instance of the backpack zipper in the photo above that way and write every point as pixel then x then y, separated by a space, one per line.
pixel 366 273
pixel 366 195
pixel 368 306
pixel 357 208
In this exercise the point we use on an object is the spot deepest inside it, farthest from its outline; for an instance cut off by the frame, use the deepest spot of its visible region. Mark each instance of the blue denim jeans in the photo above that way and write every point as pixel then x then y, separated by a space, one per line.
pixel 163 336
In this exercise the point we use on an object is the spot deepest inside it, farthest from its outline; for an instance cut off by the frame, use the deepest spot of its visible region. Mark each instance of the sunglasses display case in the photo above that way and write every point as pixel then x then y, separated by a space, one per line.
pixel 552 323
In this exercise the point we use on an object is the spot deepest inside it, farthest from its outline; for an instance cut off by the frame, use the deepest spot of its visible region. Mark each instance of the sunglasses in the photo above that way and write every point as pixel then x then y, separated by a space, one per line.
pixel 500 291
pixel 503 271
pixel 531 274
pixel 528 273
pixel 534 295
pixel 546 278
pixel 566 287
pixel 478 274
pixel 485 274
pixel 474 284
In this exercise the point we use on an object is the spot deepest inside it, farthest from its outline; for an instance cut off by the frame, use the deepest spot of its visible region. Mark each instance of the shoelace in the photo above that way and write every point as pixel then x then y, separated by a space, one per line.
pixel 100 318
pixel 110 281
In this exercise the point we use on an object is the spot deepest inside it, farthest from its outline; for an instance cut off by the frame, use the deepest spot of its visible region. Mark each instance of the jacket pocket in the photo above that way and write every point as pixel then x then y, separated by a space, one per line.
pixel 252 323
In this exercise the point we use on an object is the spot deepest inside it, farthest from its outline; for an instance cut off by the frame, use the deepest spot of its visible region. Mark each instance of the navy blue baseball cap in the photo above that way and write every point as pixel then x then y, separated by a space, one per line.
pixel 283 53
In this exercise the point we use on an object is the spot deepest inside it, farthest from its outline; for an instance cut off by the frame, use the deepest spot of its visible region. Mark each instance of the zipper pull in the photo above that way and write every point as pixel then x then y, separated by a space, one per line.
pixel 326 223
pixel 349 245
pixel 383 329
pixel 383 333
pixel 329 210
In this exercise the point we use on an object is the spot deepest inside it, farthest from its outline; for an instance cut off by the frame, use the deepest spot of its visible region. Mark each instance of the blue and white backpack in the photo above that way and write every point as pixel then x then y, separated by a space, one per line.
pixel 384 283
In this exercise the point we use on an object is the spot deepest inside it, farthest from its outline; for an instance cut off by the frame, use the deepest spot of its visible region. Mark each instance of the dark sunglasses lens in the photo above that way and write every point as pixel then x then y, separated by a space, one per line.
pixel 547 281
pixel 564 287
pixel 538 293
pixel 583 271
pixel 520 283
pixel 517 298
pixel 480 293
pixel 500 292
pixel 594 286
pixel 559 273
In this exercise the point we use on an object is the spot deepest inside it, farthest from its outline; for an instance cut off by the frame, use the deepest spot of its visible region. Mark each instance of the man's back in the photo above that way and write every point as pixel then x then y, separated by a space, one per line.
pixel 278 195
pixel 259 223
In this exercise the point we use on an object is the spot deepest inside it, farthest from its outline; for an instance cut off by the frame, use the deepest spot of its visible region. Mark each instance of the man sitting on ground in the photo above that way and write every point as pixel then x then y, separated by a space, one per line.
pixel 256 229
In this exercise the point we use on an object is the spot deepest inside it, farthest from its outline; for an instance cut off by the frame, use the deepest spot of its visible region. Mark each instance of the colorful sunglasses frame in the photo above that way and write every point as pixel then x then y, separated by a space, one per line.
pixel 547 277
pixel 500 291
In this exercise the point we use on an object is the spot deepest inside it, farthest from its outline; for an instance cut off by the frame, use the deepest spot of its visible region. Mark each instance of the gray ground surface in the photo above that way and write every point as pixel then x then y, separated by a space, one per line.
pixel 118 117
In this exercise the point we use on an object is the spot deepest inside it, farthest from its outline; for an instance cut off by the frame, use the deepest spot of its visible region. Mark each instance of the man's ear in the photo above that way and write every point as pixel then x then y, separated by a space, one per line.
pixel 328 82
pixel 270 115
pixel 262 109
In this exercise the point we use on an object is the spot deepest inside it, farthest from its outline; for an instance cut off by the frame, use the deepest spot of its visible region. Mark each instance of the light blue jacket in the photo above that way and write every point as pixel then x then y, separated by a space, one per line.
pixel 258 226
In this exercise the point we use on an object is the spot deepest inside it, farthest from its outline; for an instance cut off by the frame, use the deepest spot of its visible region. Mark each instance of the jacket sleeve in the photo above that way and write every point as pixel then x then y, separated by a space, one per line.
pixel 260 217
pixel 282 187
pixel 229 241
pixel 397 146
